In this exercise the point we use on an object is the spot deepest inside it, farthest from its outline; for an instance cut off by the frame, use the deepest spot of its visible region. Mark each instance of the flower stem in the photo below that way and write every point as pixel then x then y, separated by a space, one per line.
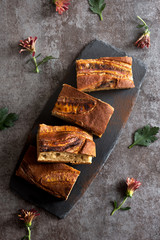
pixel 29 233
pixel 142 20
pixel 131 145
pixel 101 16
pixel 119 206
pixel 35 62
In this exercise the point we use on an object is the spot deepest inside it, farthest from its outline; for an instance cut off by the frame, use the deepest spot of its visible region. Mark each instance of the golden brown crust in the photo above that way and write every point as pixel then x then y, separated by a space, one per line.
pixel 58 179
pixel 49 130
pixel 66 139
pixel 104 73
pixel 124 59
pixel 93 116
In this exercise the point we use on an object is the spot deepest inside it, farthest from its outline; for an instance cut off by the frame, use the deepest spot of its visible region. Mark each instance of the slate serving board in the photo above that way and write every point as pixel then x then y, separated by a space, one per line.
pixel 121 100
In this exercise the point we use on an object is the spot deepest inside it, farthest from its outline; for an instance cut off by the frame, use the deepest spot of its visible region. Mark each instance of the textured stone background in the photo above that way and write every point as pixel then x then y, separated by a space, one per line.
pixel 26 93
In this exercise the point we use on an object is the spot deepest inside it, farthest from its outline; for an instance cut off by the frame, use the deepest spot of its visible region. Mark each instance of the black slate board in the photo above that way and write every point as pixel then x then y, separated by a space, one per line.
pixel 121 100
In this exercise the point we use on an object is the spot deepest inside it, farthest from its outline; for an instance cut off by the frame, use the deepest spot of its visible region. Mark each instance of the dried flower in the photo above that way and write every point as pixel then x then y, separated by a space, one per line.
pixel 144 40
pixel 28 45
pixel 132 185
pixel 28 217
pixel 61 5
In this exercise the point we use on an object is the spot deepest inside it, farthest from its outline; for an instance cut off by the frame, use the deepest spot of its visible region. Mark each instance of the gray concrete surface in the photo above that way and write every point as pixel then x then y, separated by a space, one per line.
pixel 26 93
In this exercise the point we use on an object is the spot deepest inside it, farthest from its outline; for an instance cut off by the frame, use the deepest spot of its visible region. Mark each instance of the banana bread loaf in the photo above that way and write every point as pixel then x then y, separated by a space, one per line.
pixel 65 144
pixel 56 178
pixel 82 109
pixel 105 73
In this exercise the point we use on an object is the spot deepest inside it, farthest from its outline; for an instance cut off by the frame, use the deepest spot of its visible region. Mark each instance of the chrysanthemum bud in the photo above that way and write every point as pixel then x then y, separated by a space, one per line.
pixel 132 186
pixel 28 216
pixel 144 40
pixel 28 45
pixel 61 5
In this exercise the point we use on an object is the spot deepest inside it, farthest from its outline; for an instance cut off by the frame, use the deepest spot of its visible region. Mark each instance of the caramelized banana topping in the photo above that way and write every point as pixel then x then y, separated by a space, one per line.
pixel 69 105
pixel 68 144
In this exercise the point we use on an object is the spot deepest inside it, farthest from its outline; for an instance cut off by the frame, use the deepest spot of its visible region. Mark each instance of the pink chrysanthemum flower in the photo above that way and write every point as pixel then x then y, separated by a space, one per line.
pixel 28 45
pixel 28 216
pixel 132 186
pixel 143 41
pixel 61 5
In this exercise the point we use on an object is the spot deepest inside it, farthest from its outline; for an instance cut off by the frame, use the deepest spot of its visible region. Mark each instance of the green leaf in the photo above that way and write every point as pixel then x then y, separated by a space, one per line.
pixel 125 209
pixel 3 114
pixel 46 59
pixel 7 120
pixel 145 136
pixel 115 204
pixel 2 127
pixel 97 6
pixel 10 119
pixel 38 55
pixel 140 25
pixel 146 28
